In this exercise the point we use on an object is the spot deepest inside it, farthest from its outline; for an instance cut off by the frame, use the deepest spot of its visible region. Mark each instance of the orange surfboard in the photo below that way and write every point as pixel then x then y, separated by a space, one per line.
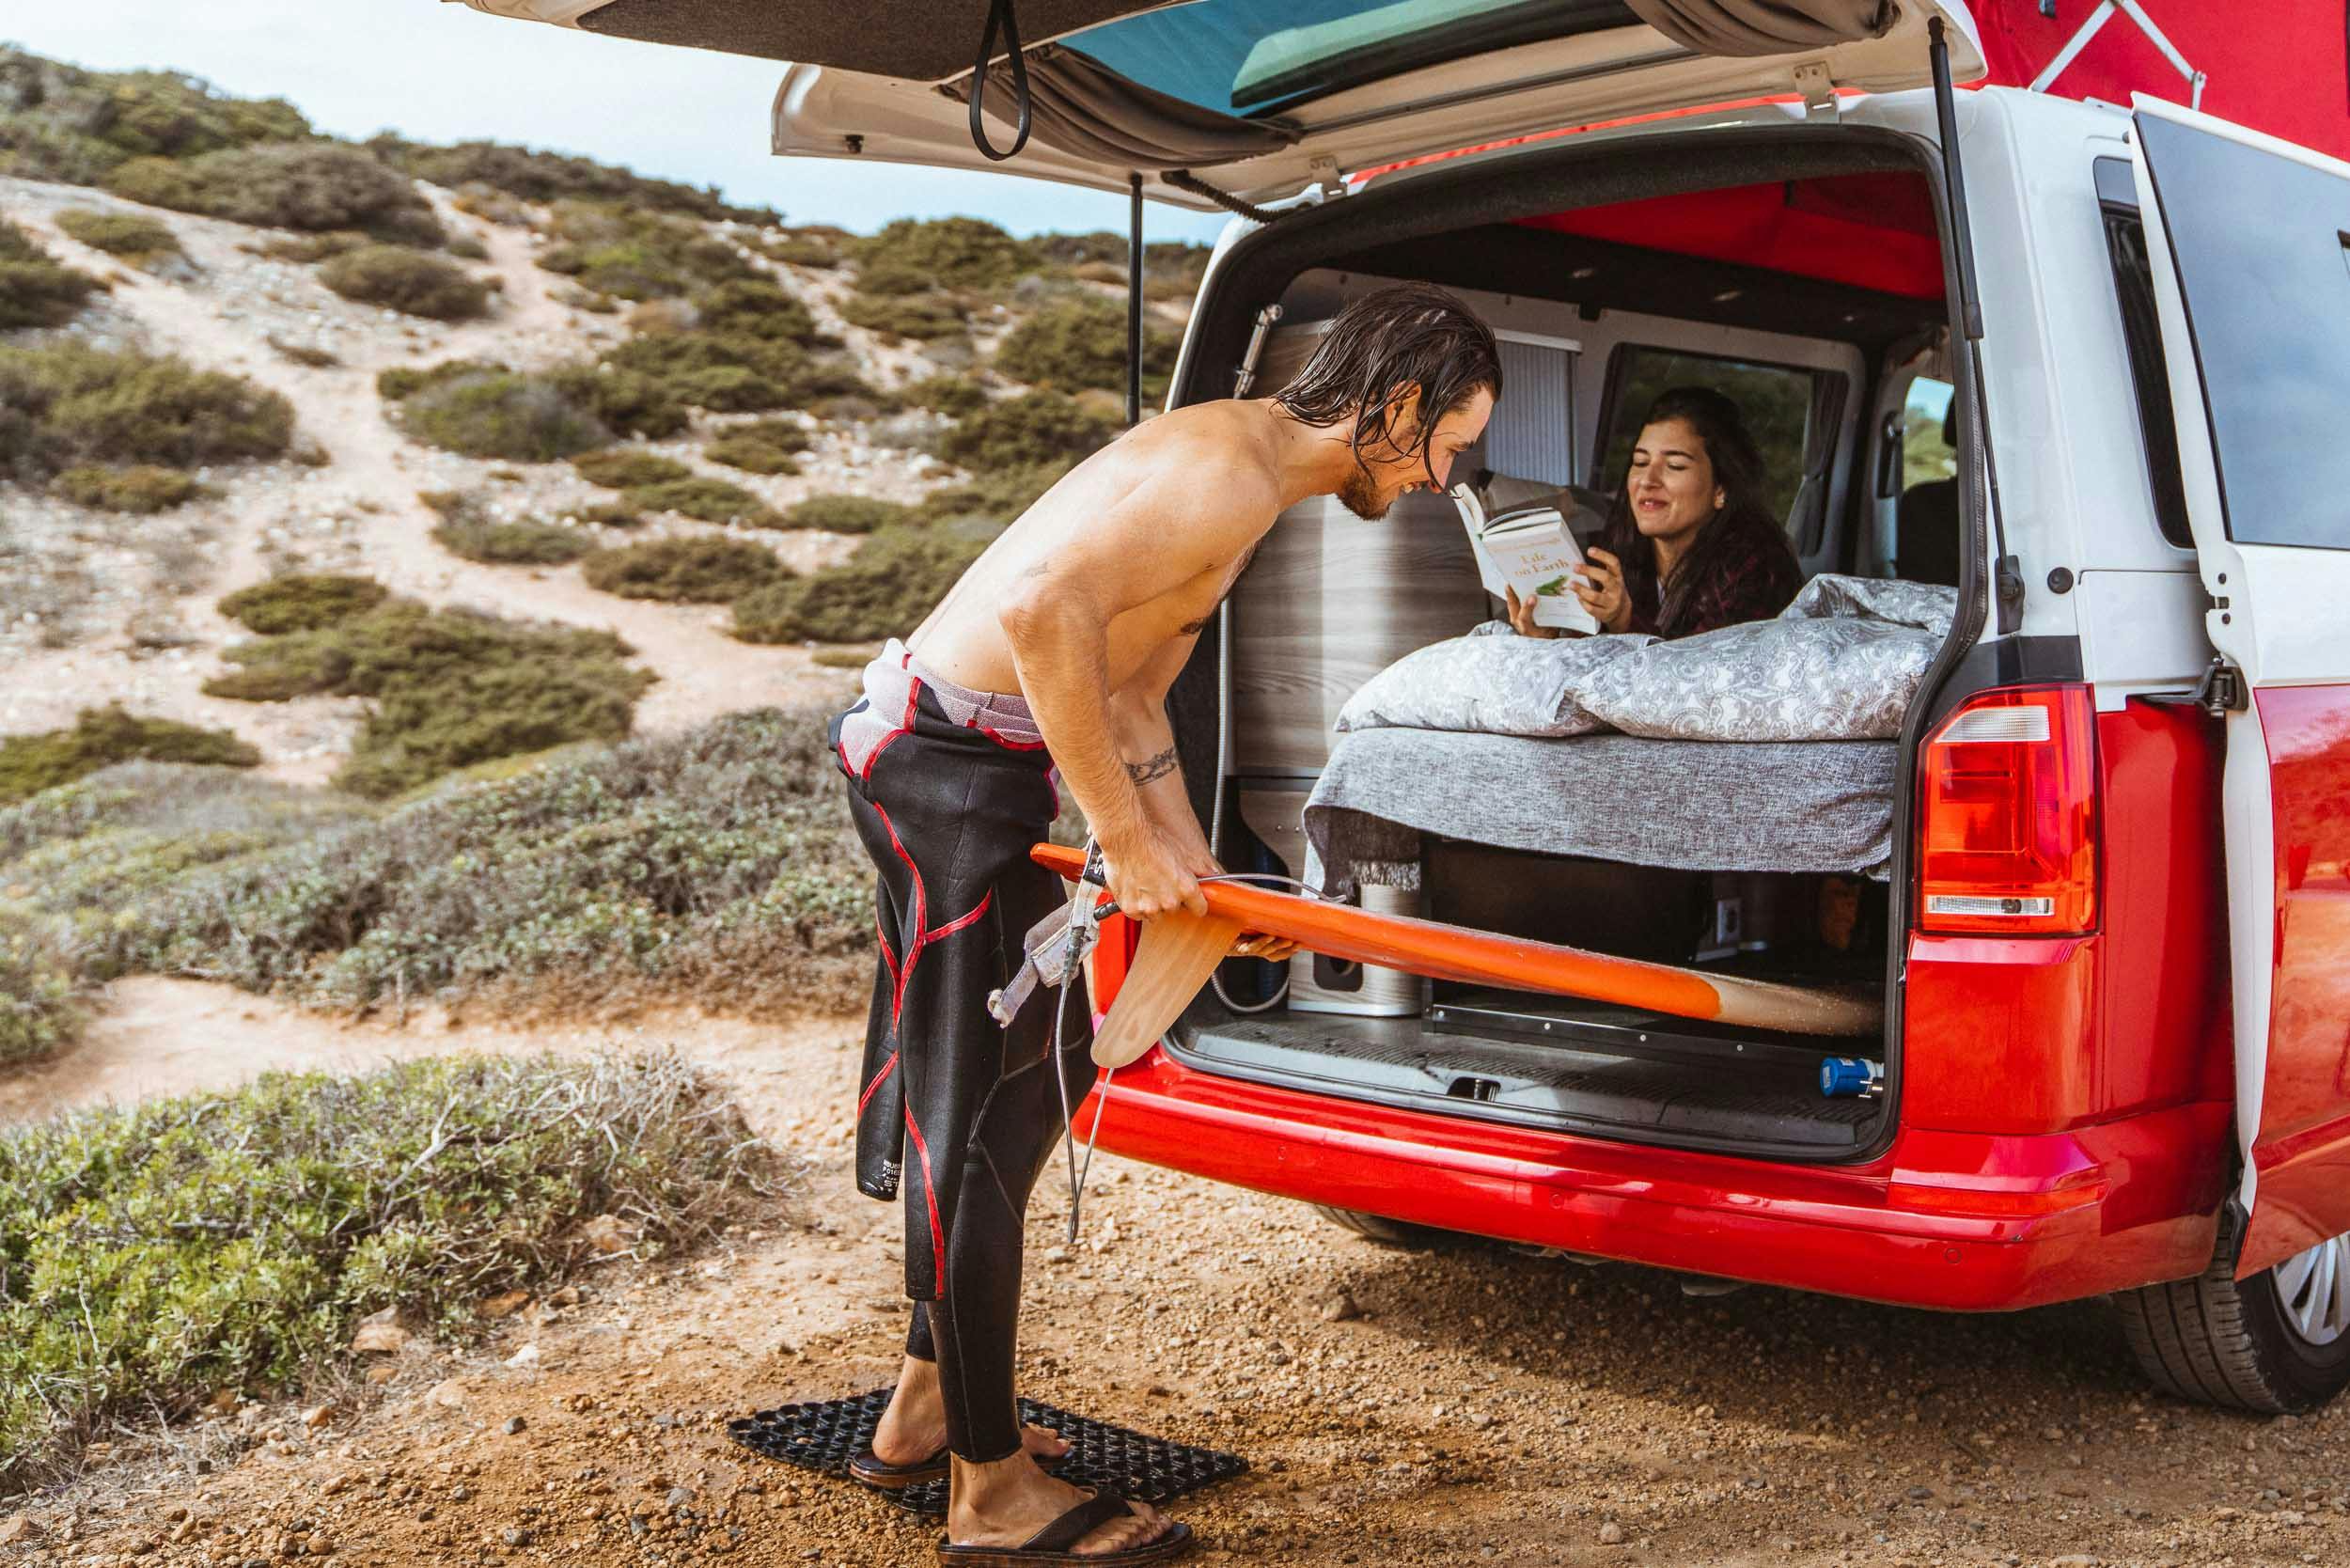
pixel 1444 952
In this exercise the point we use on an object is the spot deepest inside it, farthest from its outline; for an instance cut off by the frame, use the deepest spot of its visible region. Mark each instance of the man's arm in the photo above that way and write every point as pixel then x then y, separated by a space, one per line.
pixel 1164 534
pixel 1145 743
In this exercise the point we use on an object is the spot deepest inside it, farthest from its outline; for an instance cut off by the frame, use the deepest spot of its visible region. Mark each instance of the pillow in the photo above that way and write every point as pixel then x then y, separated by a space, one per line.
pixel 1491 681
pixel 1796 679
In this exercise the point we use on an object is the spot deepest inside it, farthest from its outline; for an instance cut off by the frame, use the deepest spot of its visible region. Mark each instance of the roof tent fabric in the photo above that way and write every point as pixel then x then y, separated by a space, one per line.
pixel 1083 107
pixel 919 41
pixel 1765 26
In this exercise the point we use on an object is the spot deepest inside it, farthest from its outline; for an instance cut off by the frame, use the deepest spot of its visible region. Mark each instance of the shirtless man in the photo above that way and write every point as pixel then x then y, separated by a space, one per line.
pixel 1056 651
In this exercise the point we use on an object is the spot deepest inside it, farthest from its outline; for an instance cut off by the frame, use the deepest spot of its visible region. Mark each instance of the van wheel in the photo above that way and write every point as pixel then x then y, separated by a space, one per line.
pixel 1389 1233
pixel 2277 1341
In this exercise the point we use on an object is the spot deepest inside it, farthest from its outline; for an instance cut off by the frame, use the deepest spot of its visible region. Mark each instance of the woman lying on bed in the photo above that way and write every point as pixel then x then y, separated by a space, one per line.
pixel 1691 544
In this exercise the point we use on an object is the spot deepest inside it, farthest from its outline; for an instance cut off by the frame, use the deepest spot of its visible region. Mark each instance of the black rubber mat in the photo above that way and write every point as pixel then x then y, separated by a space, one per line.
pixel 825 1436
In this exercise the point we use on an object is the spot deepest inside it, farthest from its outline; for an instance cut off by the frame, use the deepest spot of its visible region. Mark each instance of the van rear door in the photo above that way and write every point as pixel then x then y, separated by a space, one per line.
pixel 1260 98
pixel 2250 244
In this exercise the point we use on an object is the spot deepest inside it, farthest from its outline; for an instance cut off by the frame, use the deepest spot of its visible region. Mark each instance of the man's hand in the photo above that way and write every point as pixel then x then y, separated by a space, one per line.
pixel 1152 874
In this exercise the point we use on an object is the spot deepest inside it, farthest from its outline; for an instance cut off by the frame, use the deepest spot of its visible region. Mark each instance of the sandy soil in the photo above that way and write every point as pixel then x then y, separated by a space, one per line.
pixel 1467 1407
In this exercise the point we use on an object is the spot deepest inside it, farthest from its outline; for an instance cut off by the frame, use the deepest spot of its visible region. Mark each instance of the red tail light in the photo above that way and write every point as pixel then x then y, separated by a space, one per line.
pixel 2006 815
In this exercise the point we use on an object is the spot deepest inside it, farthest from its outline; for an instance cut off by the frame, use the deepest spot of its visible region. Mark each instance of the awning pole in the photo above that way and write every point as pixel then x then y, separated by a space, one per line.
pixel 1133 299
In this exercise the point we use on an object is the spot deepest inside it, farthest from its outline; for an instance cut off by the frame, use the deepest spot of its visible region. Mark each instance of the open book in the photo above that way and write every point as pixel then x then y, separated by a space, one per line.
pixel 1531 550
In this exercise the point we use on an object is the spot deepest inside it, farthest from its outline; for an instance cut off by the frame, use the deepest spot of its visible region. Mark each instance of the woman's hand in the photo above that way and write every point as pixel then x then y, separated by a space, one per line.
pixel 1600 586
pixel 1273 949
pixel 1522 617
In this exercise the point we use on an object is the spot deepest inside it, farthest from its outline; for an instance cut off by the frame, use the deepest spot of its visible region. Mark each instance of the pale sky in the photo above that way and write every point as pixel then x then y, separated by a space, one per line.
pixel 444 73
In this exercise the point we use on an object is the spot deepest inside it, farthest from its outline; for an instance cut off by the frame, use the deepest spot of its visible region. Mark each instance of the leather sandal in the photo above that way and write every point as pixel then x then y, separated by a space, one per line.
pixel 871 1470
pixel 1054 1542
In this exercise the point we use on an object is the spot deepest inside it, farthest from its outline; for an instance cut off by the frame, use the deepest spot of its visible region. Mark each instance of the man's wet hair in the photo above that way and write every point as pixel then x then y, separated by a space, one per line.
pixel 1406 338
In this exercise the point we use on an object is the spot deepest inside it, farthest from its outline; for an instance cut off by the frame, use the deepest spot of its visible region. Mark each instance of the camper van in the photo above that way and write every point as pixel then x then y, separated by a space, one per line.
pixel 2084 364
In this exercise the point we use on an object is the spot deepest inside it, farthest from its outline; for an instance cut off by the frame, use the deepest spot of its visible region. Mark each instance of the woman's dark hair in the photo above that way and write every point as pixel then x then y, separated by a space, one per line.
pixel 1410 336
pixel 1743 529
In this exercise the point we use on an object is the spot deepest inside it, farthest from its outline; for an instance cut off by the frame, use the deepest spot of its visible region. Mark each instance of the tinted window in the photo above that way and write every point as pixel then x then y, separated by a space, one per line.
pixel 1929 434
pixel 2262 245
pixel 1777 401
pixel 2150 373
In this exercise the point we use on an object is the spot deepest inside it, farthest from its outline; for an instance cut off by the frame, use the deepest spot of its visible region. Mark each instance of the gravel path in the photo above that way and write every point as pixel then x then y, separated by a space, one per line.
pixel 1468 1406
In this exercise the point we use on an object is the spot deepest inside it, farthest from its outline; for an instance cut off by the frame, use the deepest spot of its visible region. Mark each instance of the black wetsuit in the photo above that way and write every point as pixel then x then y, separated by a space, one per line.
pixel 957 1115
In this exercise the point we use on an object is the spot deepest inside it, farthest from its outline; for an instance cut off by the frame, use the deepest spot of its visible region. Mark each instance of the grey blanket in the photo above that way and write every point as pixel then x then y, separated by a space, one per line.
pixel 1733 805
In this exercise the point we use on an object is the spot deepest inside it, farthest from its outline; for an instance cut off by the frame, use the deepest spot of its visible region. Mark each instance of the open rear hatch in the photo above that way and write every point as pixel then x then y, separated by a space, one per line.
pixel 1262 98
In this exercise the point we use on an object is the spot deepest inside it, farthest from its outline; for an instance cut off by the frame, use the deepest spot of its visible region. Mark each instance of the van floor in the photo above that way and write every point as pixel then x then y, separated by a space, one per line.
pixel 1548 1061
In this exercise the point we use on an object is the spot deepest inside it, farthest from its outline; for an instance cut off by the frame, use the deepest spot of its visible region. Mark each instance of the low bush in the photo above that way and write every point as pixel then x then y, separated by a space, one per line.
pixel 306 249
pixel 512 544
pixel 1033 429
pixel 534 175
pixel 67 124
pixel 763 447
pixel 997 495
pixel 406 381
pixel 713 862
pixel 620 470
pixel 495 413
pixel 691 570
pixel 955 396
pixel 407 281
pixel 133 236
pixel 450 687
pixel 807 247
pixel 726 374
pixel 36 289
pixel 302 601
pixel 69 405
pixel 920 317
pixel 638 254
pixel 611 515
pixel 40 1005
pixel 755 307
pixel 704 499
pixel 308 355
pixel 163 1252
pixel 312 186
pixel 846 514
pixel 938 253
pixel 141 490
pixel 101 736
pixel 883 590
pixel 468 248
pixel 1081 342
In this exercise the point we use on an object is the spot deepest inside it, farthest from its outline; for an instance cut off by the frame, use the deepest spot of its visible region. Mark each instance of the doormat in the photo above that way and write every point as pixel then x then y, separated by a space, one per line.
pixel 825 1435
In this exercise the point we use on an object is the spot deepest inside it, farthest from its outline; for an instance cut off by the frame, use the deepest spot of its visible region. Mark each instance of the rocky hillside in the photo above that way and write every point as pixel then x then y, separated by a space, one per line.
pixel 281 415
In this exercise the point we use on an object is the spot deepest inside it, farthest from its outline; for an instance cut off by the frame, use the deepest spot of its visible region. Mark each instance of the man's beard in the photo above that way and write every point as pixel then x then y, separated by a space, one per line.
pixel 1360 496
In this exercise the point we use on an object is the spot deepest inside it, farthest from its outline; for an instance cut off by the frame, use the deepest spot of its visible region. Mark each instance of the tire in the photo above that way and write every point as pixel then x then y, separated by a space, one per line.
pixel 1397 1234
pixel 2216 1340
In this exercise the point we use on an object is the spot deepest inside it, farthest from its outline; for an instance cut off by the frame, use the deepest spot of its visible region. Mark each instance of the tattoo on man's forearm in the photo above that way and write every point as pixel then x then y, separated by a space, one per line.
pixel 1156 768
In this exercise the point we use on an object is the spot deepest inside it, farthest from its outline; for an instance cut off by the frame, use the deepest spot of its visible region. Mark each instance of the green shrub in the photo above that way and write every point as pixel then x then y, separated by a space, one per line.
pixel 553 177
pixel 955 396
pixel 501 414
pixel 883 590
pixel 921 316
pixel 31 763
pixel 621 470
pixel 713 862
pixel 302 601
pixel 763 446
pixel 308 354
pixel 131 235
pixel 451 687
pixel 807 247
pixel 755 307
pixel 727 374
pixel 997 495
pixel 1081 342
pixel 40 1008
pixel 705 499
pixel 942 253
pixel 612 514
pixel 406 381
pixel 306 249
pixel 466 246
pixel 691 570
pixel 67 124
pixel 1035 427
pixel 846 514
pixel 515 543
pixel 637 255
pixel 407 281
pixel 313 186
pixel 140 489
pixel 69 405
pixel 37 289
pixel 163 1252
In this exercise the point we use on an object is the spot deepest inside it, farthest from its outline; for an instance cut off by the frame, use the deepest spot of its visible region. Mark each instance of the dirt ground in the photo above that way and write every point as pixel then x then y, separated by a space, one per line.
pixel 1468 1406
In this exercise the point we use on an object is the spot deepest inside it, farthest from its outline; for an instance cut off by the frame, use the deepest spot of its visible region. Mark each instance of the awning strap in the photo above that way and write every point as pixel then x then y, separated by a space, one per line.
pixel 1000 17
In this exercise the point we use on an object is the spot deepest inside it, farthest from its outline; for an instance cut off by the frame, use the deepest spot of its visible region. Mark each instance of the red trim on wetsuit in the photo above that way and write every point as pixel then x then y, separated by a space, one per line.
pixel 955 925
pixel 905 727
pixel 930 1196
pixel 867 1095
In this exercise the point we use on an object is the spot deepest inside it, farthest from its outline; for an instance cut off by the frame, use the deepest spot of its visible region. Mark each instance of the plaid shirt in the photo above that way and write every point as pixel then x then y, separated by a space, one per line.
pixel 1753 585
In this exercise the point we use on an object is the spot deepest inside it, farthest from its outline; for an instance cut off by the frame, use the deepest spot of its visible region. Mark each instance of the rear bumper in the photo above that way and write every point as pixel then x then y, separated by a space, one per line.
pixel 1954 1220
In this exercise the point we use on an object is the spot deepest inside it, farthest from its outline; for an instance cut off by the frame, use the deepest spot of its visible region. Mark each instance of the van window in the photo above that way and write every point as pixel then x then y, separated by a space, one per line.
pixel 2262 243
pixel 2150 374
pixel 1788 407
pixel 1929 446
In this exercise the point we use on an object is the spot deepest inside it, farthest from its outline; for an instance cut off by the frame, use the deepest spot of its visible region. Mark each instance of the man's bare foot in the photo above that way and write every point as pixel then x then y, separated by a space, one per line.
pixel 1006 1503
pixel 914 1428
